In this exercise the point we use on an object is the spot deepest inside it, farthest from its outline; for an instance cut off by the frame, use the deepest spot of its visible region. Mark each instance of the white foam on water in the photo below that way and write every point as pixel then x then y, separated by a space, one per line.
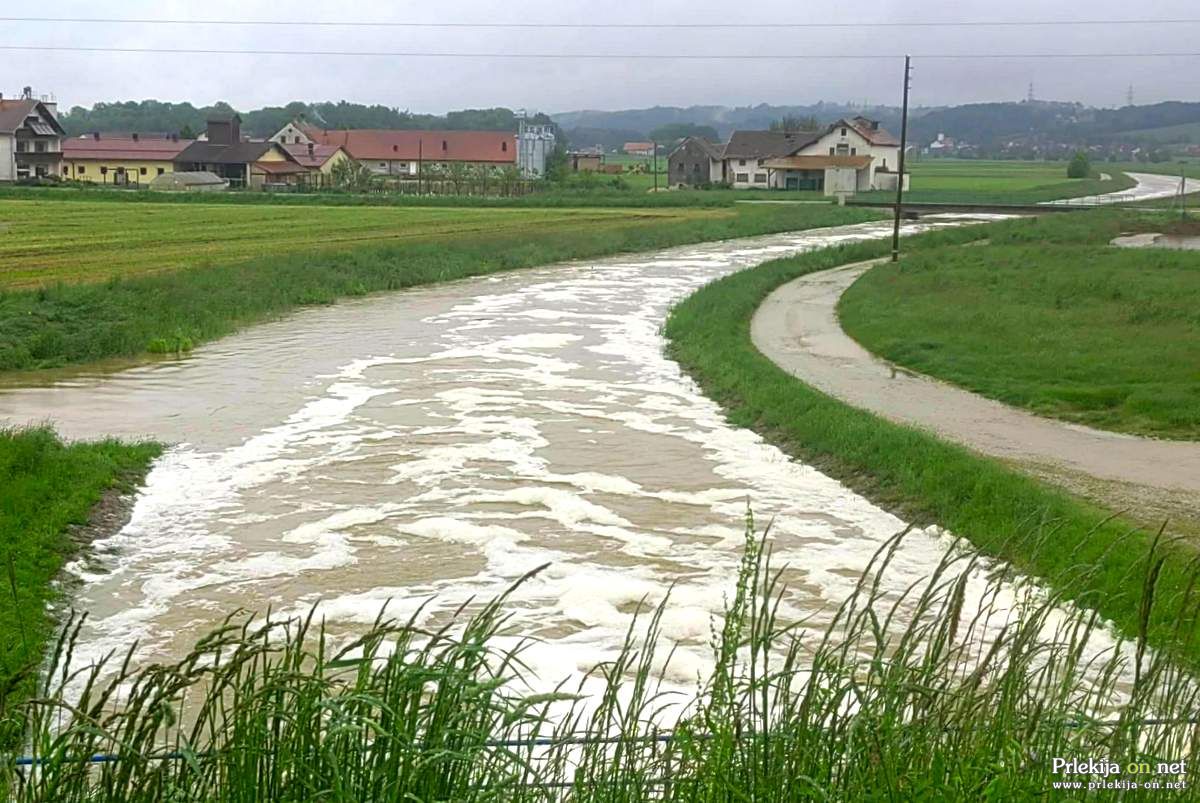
pixel 531 419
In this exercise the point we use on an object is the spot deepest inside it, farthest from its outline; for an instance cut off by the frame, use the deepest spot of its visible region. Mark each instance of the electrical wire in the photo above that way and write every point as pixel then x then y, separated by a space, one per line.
pixel 594 56
pixel 605 25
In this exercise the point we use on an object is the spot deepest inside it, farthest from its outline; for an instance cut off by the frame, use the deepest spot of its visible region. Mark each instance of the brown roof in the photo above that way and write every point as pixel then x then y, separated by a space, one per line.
pixel 767 144
pixel 638 146
pixel 319 156
pixel 237 153
pixel 433 146
pixel 818 162
pixel 870 130
pixel 280 168
pixel 14 112
pixel 163 149
pixel 712 149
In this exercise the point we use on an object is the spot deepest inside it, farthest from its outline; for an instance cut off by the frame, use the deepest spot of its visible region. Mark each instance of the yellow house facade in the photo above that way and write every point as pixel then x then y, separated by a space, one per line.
pixel 119 160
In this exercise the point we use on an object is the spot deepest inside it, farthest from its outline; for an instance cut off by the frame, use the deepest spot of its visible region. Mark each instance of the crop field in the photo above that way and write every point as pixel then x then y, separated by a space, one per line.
pixel 47 242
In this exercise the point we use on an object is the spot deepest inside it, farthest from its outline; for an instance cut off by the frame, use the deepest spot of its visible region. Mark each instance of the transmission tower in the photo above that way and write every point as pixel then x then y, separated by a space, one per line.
pixel 1031 97
pixel 1129 96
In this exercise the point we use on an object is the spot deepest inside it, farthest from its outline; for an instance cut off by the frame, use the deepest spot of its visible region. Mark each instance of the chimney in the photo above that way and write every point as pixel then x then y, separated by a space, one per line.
pixel 174 137
pixel 135 136
pixel 310 150
pixel 96 135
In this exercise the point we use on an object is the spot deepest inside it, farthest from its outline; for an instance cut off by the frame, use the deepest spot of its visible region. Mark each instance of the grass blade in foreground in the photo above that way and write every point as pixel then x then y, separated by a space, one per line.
pixel 972 699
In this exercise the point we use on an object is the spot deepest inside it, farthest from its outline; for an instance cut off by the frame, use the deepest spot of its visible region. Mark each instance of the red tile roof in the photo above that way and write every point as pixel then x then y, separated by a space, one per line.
pixel 157 149
pixel 368 144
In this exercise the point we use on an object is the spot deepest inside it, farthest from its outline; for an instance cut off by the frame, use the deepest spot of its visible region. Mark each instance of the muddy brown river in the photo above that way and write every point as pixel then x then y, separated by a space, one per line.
pixel 443 441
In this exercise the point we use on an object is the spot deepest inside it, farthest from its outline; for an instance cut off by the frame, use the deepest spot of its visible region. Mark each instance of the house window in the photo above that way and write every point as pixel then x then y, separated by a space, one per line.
pixel 743 178
pixel 445 146
pixel 20 146
pixel 297 140
pixel 843 132
pixel 141 171
pixel 504 147
pixel 161 170
pixel 741 162
pixel 40 147
pixel 383 165
pixel 854 151
pixel 843 150
pixel 832 151
pixel 81 169
pixel 760 178
pixel 103 170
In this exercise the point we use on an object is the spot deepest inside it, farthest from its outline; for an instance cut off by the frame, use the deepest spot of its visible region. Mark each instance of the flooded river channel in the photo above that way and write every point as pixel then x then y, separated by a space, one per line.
pixel 441 442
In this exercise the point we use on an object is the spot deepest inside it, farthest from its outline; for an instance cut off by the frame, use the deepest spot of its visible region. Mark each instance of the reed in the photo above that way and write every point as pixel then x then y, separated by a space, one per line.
pixel 965 686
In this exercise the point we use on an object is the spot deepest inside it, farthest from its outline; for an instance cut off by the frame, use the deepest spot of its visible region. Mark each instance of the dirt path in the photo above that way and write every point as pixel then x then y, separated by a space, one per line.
pixel 797 328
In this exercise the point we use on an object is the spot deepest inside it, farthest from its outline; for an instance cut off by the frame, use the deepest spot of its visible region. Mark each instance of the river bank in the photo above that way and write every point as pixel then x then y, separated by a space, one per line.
pixel 1082 550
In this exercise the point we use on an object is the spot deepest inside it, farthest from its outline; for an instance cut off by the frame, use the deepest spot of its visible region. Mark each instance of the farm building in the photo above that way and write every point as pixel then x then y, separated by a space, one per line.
pixel 638 148
pixel 30 138
pixel 178 181
pixel 585 162
pixel 405 153
pixel 402 153
pixel 695 162
pixel 242 162
pixel 133 159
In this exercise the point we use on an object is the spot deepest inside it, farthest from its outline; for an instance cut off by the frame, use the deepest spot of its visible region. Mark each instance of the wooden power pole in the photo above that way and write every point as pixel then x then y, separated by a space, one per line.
pixel 903 149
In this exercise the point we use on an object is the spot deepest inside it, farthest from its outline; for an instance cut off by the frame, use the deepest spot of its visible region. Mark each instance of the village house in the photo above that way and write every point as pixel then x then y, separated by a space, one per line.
pixel 851 155
pixel 244 163
pixel 638 148
pixel 120 160
pixel 30 138
pixel 318 158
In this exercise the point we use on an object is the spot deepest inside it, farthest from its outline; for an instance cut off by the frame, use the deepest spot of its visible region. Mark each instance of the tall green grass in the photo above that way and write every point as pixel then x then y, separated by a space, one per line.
pixel 47 488
pixel 1090 555
pixel 946 691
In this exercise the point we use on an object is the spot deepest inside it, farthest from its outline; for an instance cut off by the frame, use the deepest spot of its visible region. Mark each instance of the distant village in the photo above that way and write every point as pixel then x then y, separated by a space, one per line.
pixel 848 156
pixel 851 155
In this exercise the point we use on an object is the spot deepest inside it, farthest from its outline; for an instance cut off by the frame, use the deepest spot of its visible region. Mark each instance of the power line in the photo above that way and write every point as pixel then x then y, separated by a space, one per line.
pixel 602 25
pixel 596 56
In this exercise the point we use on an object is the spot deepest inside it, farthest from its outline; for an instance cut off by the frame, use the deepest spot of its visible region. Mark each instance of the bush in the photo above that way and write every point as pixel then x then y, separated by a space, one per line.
pixel 1080 166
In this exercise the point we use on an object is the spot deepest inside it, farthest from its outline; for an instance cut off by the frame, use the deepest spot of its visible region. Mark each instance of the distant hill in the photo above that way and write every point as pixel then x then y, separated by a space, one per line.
pixel 987 125
pixel 724 119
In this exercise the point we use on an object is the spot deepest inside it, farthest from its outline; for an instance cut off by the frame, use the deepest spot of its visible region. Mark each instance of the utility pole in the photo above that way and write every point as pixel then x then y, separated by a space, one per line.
pixel 1182 190
pixel 654 146
pixel 903 149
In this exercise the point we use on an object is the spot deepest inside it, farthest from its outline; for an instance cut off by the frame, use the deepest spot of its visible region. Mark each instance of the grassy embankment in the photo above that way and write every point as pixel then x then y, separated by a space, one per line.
pixel 46 488
pixel 1097 561
pixel 1092 334
pixel 943 693
pixel 122 288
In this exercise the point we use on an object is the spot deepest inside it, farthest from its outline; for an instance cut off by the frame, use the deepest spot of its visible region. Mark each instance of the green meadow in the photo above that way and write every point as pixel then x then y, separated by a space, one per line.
pixel 1048 317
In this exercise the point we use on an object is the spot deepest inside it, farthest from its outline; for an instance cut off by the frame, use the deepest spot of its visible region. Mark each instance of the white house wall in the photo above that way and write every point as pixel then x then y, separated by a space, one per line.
pixel 883 156
pixel 752 168
pixel 8 165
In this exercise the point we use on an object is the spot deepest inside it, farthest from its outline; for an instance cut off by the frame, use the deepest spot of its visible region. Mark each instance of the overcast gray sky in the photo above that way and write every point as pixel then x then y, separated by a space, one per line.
pixel 438 84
